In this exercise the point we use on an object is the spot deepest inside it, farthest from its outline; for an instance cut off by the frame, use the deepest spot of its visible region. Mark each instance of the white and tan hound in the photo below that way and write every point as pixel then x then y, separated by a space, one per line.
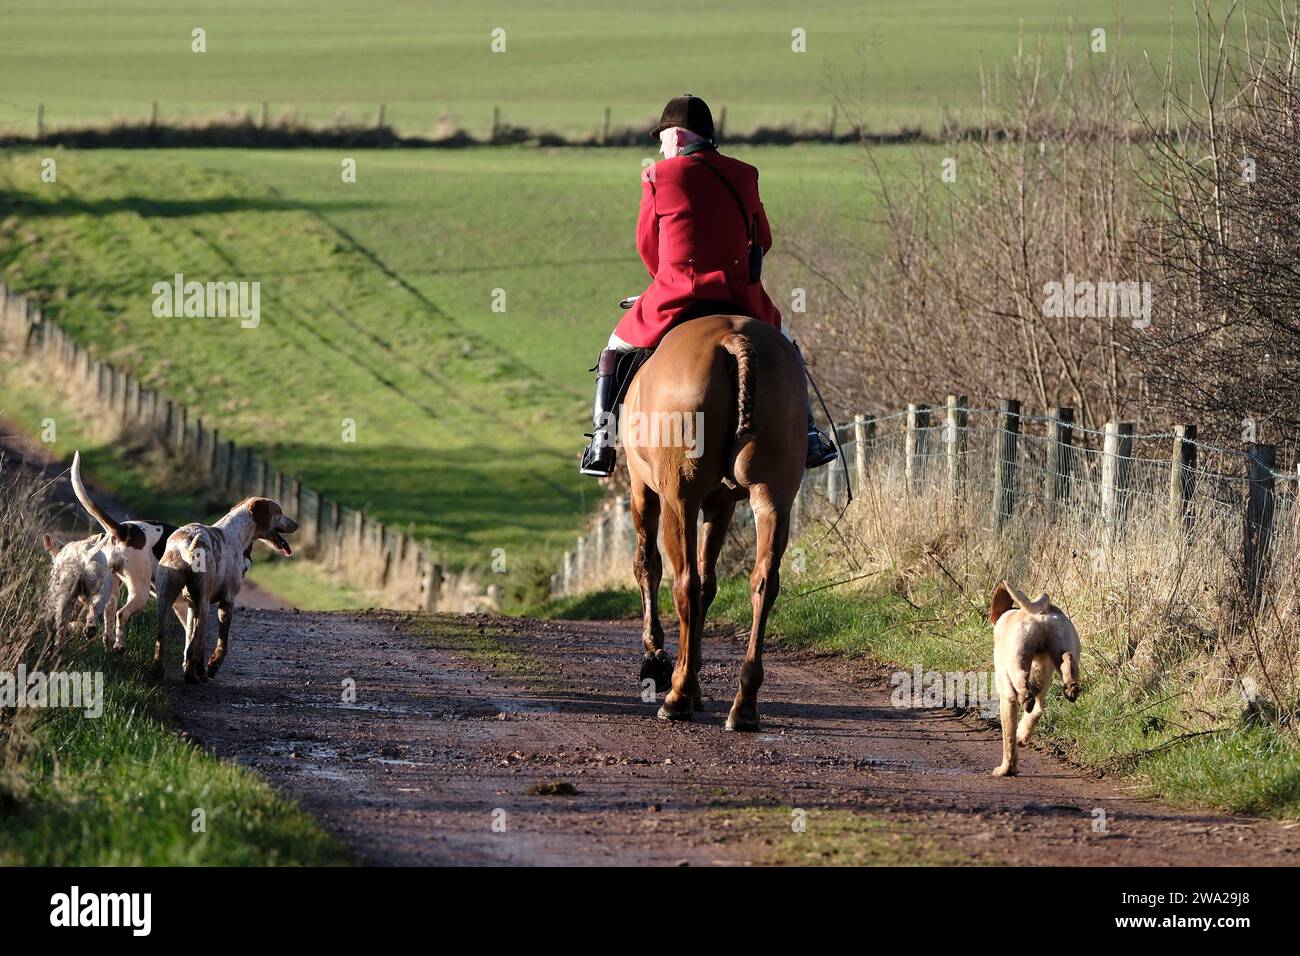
pixel 133 550
pixel 208 562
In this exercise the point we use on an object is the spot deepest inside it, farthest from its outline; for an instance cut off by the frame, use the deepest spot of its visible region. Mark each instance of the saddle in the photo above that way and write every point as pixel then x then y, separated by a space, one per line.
pixel 630 362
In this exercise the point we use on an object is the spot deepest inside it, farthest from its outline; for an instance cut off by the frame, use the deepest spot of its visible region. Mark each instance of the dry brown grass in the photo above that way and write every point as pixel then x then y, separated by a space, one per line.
pixel 24 637
pixel 1158 603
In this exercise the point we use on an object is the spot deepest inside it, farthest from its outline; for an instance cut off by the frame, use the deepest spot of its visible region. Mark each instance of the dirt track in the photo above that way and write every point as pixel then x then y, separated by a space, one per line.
pixel 457 719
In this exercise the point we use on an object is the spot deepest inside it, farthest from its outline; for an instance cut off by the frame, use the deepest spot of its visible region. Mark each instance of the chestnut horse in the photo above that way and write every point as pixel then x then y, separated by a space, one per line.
pixel 728 392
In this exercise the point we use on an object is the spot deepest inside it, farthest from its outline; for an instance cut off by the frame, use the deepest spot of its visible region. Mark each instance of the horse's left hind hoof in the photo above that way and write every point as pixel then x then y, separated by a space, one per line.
pixel 659 668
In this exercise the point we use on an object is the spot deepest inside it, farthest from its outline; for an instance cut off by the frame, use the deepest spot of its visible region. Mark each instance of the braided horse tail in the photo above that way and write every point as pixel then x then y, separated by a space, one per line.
pixel 742 350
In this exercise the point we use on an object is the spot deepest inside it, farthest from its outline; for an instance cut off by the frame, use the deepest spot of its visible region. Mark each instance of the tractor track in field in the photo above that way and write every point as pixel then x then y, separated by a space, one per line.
pixel 460 723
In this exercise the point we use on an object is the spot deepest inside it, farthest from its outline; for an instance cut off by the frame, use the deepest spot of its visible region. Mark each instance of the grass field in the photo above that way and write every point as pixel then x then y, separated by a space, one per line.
pixel 905 61
pixel 376 305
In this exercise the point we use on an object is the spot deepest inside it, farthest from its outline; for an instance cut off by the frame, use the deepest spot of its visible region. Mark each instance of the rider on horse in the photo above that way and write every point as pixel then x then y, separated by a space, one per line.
pixel 701 232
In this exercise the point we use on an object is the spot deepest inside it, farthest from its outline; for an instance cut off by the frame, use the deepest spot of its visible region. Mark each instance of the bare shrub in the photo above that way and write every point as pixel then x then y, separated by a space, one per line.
pixel 1224 167
pixel 948 292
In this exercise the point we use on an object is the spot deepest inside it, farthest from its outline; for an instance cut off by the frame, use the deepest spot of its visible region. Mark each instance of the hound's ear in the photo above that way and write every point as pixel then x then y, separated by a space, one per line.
pixel 1001 603
pixel 50 546
pixel 261 509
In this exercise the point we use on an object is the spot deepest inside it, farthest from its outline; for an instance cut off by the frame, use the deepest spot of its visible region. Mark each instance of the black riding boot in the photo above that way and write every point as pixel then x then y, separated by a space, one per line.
pixel 821 450
pixel 598 457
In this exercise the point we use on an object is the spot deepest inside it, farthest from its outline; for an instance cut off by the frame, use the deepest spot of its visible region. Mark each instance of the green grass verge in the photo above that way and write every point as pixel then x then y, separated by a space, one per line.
pixel 308 586
pixel 1244 769
pixel 122 789
pixel 833 837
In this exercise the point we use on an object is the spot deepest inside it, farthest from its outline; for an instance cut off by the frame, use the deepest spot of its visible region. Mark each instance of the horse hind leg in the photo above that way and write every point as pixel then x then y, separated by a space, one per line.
pixel 773 526
pixel 713 535
pixel 656 666
pixel 679 539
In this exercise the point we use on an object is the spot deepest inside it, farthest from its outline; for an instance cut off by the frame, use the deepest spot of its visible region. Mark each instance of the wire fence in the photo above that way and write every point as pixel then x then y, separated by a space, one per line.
pixel 1006 467
pixel 337 537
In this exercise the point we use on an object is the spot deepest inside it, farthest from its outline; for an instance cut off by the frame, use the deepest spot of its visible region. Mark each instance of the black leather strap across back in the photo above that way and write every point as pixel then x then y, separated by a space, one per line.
pixel 740 203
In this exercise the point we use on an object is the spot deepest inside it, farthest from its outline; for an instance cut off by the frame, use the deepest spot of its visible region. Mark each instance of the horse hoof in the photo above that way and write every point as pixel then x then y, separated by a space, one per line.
pixel 191 677
pixel 742 723
pixel 659 668
pixel 676 707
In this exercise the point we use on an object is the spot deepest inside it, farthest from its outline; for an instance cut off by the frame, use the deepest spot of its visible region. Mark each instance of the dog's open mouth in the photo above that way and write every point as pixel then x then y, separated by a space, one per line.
pixel 279 542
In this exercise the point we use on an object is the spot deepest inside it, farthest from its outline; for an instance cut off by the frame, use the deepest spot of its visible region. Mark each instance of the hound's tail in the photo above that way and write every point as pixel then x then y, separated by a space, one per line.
pixel 742 350
pixel 191 545
pixel 105 521
pixel 1039 605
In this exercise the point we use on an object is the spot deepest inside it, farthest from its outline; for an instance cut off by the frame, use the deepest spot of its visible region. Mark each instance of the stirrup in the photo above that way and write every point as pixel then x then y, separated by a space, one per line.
pixel 821 451
pixel 598 462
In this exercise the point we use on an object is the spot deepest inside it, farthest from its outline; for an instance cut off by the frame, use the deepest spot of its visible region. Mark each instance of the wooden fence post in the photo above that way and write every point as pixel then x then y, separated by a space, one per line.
pixel 1182 477
pixel 1060 445
pixel 602 540
pixel 432 587
pixel 834 476
pixel 954 438
pixel 1004 465
pixel 620 527
pixel 1258 530
pixel 320 524
pixel 1116 472
pixel 860 448
pixel 336 533
pixel 230 467
pixel 918 424
pixel 212 454
pixel 381 552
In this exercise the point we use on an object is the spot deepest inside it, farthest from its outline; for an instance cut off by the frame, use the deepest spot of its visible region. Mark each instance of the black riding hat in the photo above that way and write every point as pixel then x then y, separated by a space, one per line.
pixel 689 112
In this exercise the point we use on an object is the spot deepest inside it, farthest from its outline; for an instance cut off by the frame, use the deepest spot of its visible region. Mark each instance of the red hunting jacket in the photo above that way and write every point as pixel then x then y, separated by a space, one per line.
pixel 692 239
